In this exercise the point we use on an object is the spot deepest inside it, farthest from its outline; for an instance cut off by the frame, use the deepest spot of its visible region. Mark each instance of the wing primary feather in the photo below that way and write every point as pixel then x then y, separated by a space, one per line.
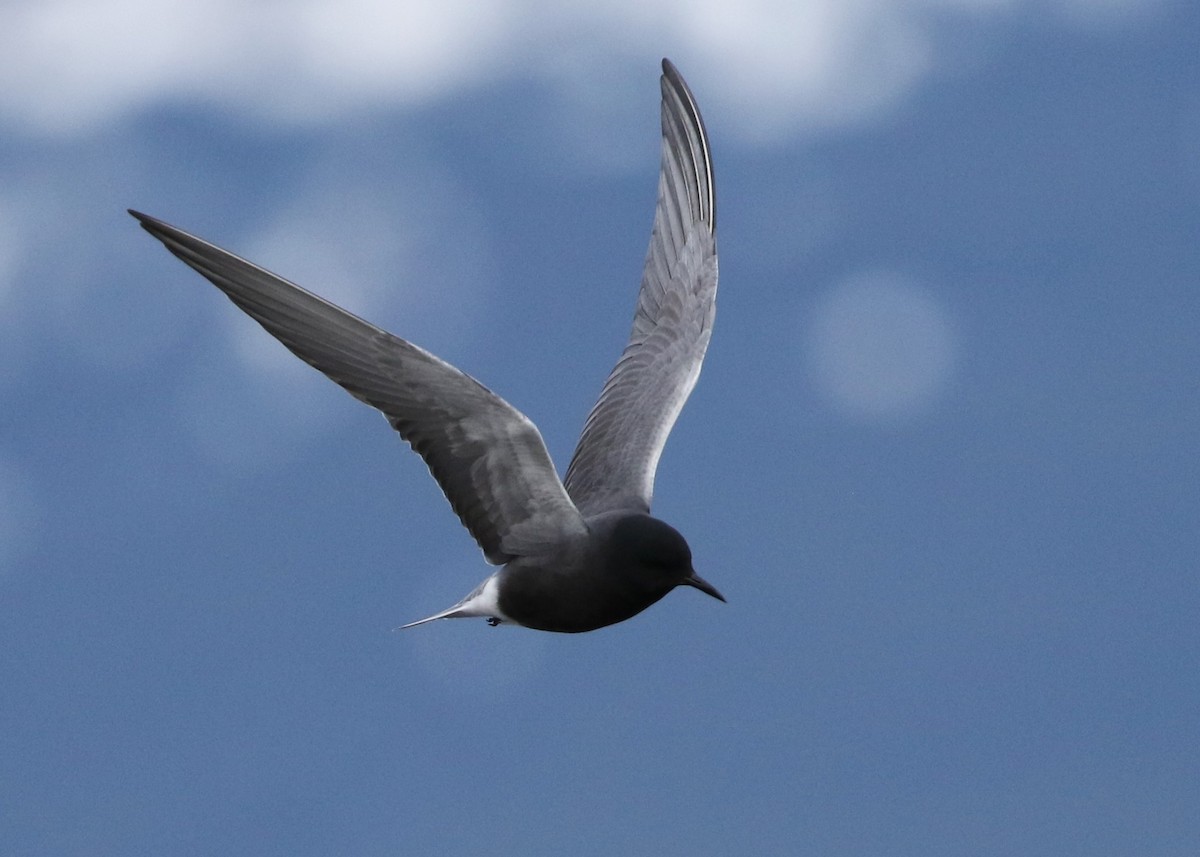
pixel 623 437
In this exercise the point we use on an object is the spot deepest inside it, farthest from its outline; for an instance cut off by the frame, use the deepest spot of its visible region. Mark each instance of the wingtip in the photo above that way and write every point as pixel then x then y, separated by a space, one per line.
pixel 672 77
pixel 672 74
pixel 678 94
pixel 150 224
pixel 164 232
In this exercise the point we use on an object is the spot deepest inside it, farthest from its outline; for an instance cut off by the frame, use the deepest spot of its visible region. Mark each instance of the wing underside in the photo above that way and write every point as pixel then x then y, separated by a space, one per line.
pixel 615 461
pixel 487 456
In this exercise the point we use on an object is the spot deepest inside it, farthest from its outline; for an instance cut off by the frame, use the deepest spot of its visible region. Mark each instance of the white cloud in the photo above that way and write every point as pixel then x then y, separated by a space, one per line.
pixel 881 347
pixel 777 65
pixel 64 266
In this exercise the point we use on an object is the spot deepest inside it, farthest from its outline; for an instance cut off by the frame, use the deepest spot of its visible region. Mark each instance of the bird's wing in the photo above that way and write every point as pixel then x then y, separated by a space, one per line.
pixel 486 455
pixel 614 464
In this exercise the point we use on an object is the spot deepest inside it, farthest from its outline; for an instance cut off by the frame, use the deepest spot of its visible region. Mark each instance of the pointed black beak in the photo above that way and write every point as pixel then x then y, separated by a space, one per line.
pixel 703 585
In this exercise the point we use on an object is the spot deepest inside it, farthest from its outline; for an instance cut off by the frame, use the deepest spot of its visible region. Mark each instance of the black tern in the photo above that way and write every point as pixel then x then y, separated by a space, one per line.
pixel 579 553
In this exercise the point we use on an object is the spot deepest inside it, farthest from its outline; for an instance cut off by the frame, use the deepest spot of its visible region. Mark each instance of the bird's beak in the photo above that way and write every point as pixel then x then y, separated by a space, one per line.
pixel 703 585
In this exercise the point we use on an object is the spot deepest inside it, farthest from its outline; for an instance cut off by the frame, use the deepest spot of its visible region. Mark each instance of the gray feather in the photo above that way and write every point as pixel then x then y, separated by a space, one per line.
pixel 487 456
pixel 615 461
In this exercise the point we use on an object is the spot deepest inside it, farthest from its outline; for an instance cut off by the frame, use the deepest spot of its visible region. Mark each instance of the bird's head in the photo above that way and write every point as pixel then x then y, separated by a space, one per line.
pixel 659 554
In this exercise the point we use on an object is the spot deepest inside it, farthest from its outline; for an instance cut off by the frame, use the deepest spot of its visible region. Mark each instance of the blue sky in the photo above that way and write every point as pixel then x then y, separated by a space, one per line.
pixel 942 459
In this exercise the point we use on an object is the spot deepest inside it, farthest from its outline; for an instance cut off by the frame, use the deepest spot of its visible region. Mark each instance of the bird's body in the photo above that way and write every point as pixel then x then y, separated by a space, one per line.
pixel 576 554
pixel 641 557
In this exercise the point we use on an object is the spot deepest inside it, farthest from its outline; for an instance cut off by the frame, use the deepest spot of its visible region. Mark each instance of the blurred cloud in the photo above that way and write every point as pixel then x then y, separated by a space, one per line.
pixel 242 422
pixel 73 71
pixel 10 254
pixel 9 250
pixel 778 65
pixel 881 347
pixel 412 256
pixel 20 518
pixel 414 263
pixel 64 263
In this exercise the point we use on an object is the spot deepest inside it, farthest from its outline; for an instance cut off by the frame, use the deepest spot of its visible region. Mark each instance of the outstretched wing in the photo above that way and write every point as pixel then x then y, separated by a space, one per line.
pixel 614 464
pixel 487 456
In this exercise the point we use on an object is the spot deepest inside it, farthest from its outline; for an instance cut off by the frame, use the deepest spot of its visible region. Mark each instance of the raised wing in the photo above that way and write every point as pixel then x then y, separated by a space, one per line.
pixel 487 456
pixel 614 464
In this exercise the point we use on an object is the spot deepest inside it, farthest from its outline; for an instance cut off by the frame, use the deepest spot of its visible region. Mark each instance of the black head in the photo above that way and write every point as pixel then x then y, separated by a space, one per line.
pixel 658 554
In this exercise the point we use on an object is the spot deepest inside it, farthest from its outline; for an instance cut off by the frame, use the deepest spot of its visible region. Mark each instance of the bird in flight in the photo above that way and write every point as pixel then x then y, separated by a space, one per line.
pixel 578 553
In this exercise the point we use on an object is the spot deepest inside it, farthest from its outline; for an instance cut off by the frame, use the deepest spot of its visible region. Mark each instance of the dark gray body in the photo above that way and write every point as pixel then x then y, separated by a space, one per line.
pixel 636 560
